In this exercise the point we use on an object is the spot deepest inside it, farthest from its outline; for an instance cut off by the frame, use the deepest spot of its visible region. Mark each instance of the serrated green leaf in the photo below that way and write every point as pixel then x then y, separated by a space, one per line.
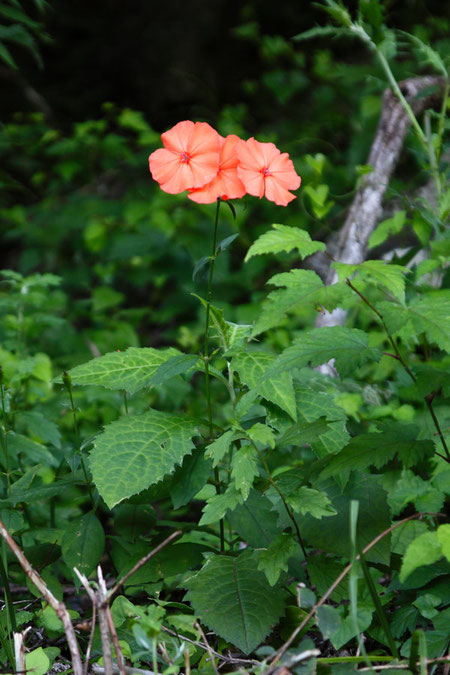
pixel 131 370
pixel 347 346
pixel 138 451
pixel 230 335
pixel 285 238
pixel 307 500
pixel 175 365
pixel 376 449
pixel 261 433
pixel 245 469
pixel 388 275
pixel 429 314
pixel 253 368
pixel 274 559
pixel 248 606
pixel 300 289
pixel 218 505
pixel 83 543
pixel 426 549
pixel 219 448
pixel 304 432
pixel 312 406
pixel 255 520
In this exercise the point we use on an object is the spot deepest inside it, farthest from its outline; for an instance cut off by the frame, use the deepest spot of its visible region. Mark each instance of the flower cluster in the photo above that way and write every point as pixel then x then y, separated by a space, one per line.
pixel 197 159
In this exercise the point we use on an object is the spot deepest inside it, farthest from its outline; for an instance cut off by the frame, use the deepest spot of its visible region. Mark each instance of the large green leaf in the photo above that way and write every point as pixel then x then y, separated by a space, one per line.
pixel 83 543
pixel 189 478
pixel 253 368
pixel 429 314
pixel 333 534
pixel 390 277
pixel 130 370
pixel 137 451
pixel 255 520
pixel 347 346
pixel 285 238
pixel 426 549
pixel 248 606
pixel 376 449
pixel 300 289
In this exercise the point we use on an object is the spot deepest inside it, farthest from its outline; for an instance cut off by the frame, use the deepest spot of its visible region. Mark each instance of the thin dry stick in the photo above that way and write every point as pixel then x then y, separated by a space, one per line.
pixel 279 653
pixel 142 561
pixel 117 649
pixel 85 582
pixel 59 607
pixel 208 647
pixel 19 651
pixel 228 659
pixel 102 607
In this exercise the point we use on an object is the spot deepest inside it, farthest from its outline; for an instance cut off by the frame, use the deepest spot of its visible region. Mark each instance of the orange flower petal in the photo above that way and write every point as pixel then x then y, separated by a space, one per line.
pixel 177 138
pixel 275 192
pixel 283 168
pixel 253 181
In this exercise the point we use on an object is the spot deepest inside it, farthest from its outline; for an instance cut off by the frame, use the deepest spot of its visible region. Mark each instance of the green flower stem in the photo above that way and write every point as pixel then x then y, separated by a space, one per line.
pixel 206 358
pixel 68 384
pixel 283 499
pixel 208 312
pixel 5 435
pixel 398 356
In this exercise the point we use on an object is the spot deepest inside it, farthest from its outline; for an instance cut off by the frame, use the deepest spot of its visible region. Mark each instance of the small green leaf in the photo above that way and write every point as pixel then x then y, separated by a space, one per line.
pixel 175 365
pixel 37 662
pixel 285 238
pixel 245 469
pixel 248 606
pixel 274 559
pixel 262 434
pixel 255 520
pixel 218 505
pixel 389 276
pixel 189 478
pixel 254 369
pixel 347 346
pixel 300 290
pixel 83 543
pixel 426 549
pixel 443 535
pixel 308 500
pixel 328 619
pixel 387 228
pixel 219 448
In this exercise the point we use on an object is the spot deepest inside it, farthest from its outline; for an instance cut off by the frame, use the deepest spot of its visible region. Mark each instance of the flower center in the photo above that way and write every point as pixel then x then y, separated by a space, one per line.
pixel 184 157
pixel 266 172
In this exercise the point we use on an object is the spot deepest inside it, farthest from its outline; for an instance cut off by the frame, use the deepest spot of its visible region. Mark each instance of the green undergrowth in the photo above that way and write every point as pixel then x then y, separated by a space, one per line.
pixel 313 452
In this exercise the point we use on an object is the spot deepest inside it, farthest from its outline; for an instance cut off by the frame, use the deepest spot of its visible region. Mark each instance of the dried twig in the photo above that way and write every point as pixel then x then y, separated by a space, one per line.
pixel 59 607
pixel 19 650
pixel 208 647
pixel 227 659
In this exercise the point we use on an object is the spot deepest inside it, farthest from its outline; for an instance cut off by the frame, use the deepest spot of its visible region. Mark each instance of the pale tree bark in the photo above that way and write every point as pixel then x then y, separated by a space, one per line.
pixel 366 208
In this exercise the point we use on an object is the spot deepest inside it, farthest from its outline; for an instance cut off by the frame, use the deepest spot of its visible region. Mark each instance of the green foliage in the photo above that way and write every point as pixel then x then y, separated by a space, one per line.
pixel 138 451
pixel 238 440
pixel 248 606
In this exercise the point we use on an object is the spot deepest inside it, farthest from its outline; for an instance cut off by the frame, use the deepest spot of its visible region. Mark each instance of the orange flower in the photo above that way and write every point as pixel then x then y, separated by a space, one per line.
pixel 189 159
pixel 226 183
pixel 265 171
